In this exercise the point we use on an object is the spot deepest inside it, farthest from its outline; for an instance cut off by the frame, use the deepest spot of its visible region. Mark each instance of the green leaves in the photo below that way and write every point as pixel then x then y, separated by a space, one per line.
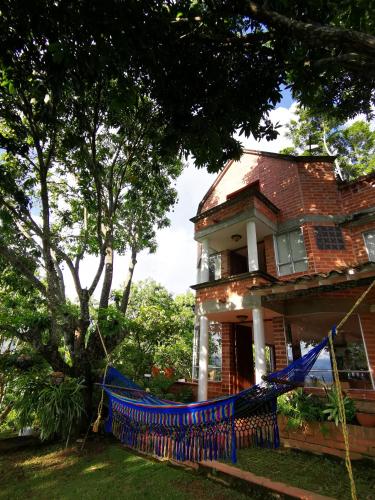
pixel 301 408
pixel 353 144
pixel 160 331
pixel 332 411
pixel 54 408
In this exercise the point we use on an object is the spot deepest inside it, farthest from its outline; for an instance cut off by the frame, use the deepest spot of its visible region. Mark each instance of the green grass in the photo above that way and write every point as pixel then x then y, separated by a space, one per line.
pixel 107 470
pixel 102 471
pixel 320 474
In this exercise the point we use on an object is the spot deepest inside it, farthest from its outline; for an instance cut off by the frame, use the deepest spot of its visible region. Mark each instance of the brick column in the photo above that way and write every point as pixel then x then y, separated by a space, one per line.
pixel 279 342
pixel 225 264
pixel 368 328
pixel 228 366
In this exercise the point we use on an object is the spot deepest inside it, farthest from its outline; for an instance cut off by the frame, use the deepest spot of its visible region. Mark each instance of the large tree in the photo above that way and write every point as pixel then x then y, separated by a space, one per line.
pixel 213 67
pixel 83 172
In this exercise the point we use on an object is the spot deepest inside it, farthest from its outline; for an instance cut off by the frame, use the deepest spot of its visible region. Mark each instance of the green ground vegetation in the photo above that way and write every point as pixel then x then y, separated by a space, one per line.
pixel 321 474
pixel 106 469
pixel 102 470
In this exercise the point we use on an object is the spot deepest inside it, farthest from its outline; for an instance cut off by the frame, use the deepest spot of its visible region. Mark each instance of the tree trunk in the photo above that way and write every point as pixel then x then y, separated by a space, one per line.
pixel 128 282
pixel 108 276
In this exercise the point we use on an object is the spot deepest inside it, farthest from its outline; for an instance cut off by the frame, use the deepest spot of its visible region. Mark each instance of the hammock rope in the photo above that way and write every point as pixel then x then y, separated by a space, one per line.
pixel 96 424
pixel 336 377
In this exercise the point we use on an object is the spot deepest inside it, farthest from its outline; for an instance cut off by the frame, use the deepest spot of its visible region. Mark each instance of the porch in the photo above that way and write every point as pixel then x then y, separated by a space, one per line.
pixel 282 330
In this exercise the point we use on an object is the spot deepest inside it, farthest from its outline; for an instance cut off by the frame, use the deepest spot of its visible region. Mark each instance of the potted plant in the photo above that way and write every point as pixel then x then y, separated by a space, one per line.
pixel 331 410
pixel 365 419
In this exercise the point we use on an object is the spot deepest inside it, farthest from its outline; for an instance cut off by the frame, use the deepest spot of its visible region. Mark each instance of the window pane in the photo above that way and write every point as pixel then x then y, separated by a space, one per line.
pixel 305 332
pixel 214 267
pixel 283 250
pixel 214 352
pixel 370 244
pixel 285 269
pixel 300 266
pixel 297 245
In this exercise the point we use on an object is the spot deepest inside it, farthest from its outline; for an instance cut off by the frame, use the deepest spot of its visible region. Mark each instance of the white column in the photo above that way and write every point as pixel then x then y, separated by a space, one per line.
pixel 204 275
pixel 203 359
pixel 252 249
pixel 259 344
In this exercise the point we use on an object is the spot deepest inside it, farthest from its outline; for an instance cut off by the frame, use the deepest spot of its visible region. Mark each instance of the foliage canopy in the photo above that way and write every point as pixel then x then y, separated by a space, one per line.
pixel 352 144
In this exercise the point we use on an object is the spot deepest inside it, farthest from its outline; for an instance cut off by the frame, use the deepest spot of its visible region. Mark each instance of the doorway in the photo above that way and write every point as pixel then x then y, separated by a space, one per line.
pixel 243 357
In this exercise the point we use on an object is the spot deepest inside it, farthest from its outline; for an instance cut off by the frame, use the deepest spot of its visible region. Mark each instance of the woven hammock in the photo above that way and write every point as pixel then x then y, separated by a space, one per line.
pixel 207 430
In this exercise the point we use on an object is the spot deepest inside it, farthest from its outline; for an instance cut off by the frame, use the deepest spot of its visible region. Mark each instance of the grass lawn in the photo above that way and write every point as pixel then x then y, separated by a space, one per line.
pixel 103 470
pixel 321 474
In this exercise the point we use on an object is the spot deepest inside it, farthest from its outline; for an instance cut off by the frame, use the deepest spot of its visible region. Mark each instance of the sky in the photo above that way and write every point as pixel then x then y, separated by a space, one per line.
pixel 174 263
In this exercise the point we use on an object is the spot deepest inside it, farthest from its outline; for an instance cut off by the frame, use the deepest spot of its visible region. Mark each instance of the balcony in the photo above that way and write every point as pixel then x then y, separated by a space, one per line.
pixel 230 217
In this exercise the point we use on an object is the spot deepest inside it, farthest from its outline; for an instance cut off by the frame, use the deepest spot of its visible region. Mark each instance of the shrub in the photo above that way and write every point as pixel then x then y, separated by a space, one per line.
pixel 300 408
pixel 160 385
pixel 55 408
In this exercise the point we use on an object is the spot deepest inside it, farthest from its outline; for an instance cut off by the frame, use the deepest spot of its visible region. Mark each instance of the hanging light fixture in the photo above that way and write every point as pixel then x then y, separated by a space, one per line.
pixel 241 317
pixel 236 237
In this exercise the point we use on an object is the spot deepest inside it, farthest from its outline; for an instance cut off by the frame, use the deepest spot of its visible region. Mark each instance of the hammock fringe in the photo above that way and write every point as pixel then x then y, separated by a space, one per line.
pixel 207 430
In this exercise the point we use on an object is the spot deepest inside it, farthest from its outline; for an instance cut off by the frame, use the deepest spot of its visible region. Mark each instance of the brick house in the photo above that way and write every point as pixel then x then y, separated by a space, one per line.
pixel 284 250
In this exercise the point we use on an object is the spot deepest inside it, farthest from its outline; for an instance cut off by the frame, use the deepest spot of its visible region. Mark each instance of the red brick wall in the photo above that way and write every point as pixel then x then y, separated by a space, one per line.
pixel 235 208
pixel 295 188
pixel 269 249
pixel 321 261
pixel 359 247
pixel 279 342
pixel 326 260
pixel 227 382
pixel 225 264
pixel 223 291
pixel 359 195
pixel 319 189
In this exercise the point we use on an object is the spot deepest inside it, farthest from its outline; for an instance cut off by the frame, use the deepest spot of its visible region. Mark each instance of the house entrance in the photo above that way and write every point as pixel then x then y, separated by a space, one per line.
pixel 243 357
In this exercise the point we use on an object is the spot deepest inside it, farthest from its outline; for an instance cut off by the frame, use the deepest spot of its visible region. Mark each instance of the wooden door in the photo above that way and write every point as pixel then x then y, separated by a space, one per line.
pixel 243 361
pixel 262 257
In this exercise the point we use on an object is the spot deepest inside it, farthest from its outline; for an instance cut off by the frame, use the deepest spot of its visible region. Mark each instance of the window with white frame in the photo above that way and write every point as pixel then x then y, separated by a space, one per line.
pixel 369 238
pixel 214 266
pixel 291 252
pixel 214 351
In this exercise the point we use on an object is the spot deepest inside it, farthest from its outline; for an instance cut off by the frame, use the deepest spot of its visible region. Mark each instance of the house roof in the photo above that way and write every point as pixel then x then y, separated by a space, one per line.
pixel 350 276
pixel 279 156
pixel 362 178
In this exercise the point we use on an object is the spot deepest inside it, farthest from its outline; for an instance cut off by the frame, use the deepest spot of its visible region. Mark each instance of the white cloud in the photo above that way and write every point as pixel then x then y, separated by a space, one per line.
pixel 174 263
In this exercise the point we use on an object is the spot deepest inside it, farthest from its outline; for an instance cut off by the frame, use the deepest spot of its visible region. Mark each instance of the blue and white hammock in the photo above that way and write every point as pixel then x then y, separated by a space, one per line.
pixel 207 430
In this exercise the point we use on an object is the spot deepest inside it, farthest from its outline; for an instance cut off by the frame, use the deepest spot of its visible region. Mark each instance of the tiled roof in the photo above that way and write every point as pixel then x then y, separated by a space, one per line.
pixel 351 273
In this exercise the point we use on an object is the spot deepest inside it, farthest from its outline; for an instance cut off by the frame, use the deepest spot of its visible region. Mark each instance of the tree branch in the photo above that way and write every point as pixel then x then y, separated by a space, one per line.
pixel 312 33
pixel 98 274
pixel 23 267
